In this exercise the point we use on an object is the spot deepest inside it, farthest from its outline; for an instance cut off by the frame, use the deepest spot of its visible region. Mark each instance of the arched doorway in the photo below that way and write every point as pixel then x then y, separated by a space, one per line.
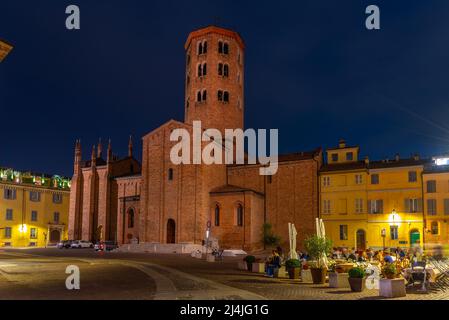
pixel 415 237
pixel 171 231
pixel 55 236
pixel 361 240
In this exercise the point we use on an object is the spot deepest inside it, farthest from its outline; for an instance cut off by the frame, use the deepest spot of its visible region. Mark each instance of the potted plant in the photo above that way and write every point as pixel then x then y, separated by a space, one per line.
pixel 318 248
pixel 357 279
pixel 249 262
pixel 293 267
pixel 392 285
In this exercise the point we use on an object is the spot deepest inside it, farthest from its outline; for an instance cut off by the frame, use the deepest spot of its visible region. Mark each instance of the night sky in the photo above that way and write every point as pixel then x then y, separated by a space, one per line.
pixel 312 70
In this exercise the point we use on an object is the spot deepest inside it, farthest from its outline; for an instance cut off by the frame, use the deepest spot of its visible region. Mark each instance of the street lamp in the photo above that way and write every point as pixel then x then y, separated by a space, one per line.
pixel 383 234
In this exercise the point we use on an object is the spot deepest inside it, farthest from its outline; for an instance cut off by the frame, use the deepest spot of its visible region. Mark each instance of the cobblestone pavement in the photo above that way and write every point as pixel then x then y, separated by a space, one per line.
pixel 183 277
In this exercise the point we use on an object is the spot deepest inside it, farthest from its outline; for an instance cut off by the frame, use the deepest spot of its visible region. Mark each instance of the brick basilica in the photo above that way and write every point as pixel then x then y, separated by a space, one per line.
pixel 155 201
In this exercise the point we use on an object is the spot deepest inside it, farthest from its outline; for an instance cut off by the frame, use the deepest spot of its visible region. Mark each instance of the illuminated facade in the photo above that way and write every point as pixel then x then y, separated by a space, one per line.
pixel 436 202
pixel 5 48
pixel 371 203
pixel 33 208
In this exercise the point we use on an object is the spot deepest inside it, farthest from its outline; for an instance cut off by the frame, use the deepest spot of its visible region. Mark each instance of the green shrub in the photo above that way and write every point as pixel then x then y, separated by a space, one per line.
pixel 250 259
pixel 318 248
pixel 357 272
pixel 389 270
pixel 292 263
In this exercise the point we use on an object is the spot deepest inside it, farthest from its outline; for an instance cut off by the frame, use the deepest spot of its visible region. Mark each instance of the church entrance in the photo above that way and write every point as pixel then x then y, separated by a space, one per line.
pixel 171 231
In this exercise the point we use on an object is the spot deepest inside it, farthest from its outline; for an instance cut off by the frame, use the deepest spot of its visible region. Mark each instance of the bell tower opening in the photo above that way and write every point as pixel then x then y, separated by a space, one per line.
pixel 214 87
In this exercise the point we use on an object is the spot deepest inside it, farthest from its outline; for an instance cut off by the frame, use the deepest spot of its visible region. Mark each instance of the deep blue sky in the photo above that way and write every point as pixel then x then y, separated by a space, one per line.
pixel 312 70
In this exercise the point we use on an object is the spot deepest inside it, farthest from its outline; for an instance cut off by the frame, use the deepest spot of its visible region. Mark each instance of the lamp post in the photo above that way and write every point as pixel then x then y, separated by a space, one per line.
pixel 383 233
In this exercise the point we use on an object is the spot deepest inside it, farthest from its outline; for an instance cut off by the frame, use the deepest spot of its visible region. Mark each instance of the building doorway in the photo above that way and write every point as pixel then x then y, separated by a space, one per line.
pixel 55 236
pixel 361 240
pixel 171 231
pixel 415 238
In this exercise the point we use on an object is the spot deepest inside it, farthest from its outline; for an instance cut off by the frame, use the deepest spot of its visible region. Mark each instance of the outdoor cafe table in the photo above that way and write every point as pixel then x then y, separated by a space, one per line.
pixel 432 272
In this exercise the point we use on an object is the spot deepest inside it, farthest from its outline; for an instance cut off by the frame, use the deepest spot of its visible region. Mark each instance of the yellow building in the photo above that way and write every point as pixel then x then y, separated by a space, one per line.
pixel 436 202
pixel 34 209
pixel 371 204
pixel 5 48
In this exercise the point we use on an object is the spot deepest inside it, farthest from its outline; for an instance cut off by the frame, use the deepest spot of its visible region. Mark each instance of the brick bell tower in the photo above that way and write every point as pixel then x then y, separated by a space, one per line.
pixel 214 90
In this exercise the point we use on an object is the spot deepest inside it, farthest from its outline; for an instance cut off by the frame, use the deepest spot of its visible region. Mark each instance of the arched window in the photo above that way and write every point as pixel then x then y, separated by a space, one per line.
pixel 200 70
pixel 198 96
pixel 434 228
pixel 220 95
pixel 131 218
pixel 220 46
pixel 202 47
pixel 225 48
pixel 239 215
pixel 220 69
pixel 226 96
pixel 204 69
pixel 170 174
pixel 226 71
pixel 217 215
pixel 204 95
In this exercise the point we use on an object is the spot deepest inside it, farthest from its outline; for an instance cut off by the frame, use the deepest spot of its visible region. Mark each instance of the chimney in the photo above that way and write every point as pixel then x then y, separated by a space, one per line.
pixel 342 143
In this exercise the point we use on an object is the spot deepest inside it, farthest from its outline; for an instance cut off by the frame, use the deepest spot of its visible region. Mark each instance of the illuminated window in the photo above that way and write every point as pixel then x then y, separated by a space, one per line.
pixel 412 176
pixel 431 186
pixel 344 232
pixel 35 196
pixel 394 234
pixel 9 194
pixel 349 156
pixel 434 228
pixel 358 205
pixel 375 206
pixel 8 233
pixel 431 207
pixel 326 206
pixel 9 215
pixel 374 179
pixel 33 215
pixel 33 233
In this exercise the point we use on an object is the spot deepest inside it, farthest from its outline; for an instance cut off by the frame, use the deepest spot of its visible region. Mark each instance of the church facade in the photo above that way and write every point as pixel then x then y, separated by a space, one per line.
pixel 159 202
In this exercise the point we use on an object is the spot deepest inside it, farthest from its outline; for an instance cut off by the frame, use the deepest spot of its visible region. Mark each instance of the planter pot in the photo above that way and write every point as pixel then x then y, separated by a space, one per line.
pixel 282 273
pixel 392 288
pixel 258 267
pixel 338 280
pixel 344 267
pixel 318 275
pixel 306 276
pixel 357 284
pixel 293 273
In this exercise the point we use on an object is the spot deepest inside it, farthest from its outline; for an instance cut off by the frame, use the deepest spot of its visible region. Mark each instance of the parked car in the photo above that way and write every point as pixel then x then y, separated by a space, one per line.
pixel 82 244
pixel 105 246
pixel 64 244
